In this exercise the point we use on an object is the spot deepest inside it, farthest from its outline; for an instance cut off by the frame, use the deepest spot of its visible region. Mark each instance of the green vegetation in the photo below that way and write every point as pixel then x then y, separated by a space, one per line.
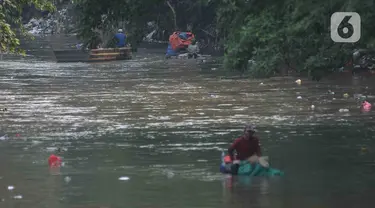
pixel 100 19
pixel 277 36
pixel 289 35
pixel 11 21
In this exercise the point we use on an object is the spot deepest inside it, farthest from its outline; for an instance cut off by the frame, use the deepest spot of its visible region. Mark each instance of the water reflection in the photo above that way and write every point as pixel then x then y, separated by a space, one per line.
pixel 239 191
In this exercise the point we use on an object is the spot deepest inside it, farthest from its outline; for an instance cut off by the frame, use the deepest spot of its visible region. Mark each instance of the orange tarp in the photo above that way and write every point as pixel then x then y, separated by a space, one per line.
pixel 177 42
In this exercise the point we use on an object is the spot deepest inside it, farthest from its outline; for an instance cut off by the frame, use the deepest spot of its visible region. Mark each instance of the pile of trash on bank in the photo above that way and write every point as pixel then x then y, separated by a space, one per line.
pixel 52 24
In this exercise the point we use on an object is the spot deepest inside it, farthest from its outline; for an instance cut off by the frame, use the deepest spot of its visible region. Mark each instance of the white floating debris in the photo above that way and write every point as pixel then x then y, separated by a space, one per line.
pixel 298 81
pixel 299 97
pixel 261 83
pixel 4 137
pixel 342 110
pixel 10 188
pixel 17 197
pixel 67 179
pixel 51 149
pixel 170 174
pixel 124 178
pixel 312 107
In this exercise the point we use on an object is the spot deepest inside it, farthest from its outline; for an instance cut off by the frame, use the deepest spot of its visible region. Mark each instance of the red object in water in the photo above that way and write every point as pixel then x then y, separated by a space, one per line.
pixel 227 159
pixel 54 161
pixel 366 106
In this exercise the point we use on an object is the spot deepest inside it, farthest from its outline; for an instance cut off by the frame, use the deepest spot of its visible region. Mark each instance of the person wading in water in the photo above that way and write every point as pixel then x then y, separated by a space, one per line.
pixel 246 147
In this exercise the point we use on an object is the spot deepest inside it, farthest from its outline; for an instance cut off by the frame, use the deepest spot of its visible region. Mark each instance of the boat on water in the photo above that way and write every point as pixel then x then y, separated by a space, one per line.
pixel 93 55
pixel 182 45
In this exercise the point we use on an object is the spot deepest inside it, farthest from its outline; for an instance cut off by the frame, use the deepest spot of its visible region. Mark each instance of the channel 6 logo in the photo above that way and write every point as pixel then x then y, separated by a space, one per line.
pixel 345 27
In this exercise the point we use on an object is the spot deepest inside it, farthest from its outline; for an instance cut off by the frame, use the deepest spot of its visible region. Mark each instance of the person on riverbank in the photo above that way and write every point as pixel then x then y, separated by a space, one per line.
pixel 121 38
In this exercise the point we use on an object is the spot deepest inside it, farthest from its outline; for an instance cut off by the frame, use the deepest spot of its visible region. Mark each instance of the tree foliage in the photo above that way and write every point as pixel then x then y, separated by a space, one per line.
pixel 11 21
pixel 288 33
pixel 133 15
pixel 277 35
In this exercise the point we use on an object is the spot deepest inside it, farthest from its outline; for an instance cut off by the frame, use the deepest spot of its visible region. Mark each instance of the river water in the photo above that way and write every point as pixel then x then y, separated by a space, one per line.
pixel 161 125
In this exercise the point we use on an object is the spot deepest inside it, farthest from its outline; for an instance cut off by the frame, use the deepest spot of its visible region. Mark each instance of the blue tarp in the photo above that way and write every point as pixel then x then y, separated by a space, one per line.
pixel 170 51
pixel 183 35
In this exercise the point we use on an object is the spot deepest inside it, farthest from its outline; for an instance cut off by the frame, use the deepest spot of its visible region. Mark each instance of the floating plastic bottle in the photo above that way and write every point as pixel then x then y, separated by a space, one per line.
pixel 222 157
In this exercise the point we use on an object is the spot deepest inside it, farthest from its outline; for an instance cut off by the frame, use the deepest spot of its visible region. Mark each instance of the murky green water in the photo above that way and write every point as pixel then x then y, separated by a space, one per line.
pixel 163 126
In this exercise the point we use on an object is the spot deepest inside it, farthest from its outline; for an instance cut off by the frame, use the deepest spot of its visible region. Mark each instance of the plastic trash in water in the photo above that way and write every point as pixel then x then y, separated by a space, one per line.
pixel 4 137
pixel 170 174
pixel 312 107
pixel 343 110
pixel 54 161
pixel 299 97
pixel 366 106
pixel 346 95
pixel 18 197
pixel 222 157
pixel 299 82
pixel 124 178
pixel 10 188
pixel 67 179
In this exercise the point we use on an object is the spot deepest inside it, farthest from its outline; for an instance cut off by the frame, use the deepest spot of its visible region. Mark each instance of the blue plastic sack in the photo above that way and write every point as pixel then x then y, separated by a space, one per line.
pixel 170 51
pixel 183 35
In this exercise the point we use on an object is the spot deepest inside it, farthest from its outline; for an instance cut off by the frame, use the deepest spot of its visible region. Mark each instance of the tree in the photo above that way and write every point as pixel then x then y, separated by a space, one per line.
pixel 97 16
pixel 11 21
pixel 288 34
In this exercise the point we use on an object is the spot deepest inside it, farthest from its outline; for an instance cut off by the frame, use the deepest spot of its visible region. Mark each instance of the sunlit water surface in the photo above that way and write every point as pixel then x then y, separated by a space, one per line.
pixel 161 125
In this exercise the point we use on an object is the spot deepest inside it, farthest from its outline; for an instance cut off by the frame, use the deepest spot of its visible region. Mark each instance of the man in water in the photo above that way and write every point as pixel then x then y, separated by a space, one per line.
pixel 193 49
pixel 245 146
pixel 121 38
